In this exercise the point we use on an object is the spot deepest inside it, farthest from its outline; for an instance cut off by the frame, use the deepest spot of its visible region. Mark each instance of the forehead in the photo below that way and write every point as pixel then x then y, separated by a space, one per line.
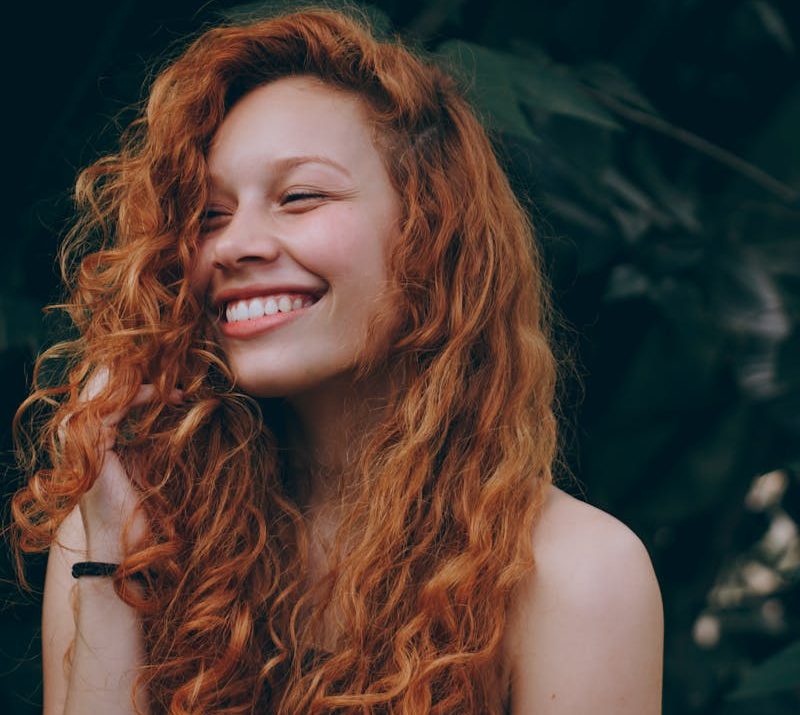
pixel 293 116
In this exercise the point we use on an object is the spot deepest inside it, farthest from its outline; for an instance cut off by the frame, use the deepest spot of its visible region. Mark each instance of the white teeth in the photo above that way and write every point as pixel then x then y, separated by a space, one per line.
pixel 255 309
pixel 284 304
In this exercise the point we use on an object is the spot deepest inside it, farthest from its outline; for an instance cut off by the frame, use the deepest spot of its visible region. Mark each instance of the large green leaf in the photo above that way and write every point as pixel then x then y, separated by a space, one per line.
pixel 774 24
pixel 490 83
pixel 777 674
pixel 611 81
pixel 555 89
pixel 502 83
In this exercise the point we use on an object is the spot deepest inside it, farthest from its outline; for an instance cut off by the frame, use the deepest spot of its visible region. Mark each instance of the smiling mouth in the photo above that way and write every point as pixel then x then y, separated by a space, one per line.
pixel 235 319
pixel 241 311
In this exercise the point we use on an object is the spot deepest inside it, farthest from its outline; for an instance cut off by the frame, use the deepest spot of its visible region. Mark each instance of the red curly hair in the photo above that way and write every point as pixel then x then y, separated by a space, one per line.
pixel 447 487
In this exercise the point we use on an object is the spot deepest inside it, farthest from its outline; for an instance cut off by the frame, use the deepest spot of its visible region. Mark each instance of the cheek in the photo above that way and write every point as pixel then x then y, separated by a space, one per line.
pixel 345 246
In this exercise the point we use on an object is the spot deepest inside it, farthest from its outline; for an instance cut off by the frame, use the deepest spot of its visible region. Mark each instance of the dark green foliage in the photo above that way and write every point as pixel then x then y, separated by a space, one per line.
pixel 657 146
pixel 779 673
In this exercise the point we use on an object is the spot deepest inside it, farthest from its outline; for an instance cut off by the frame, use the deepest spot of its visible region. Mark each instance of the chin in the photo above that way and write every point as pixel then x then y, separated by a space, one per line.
pixel 264 386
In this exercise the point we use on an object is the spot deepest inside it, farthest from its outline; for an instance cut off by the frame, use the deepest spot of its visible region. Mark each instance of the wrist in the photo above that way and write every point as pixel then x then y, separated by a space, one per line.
pixel 104 553
pixel 103 587
pixel 103 544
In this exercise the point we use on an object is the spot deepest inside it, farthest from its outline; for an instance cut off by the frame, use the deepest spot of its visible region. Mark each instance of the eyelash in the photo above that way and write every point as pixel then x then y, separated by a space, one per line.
pixel 211 214
pixel 299 195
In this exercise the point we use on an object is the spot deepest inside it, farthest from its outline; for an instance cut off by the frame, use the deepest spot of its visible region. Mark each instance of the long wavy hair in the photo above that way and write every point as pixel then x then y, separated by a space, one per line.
pixel 446 488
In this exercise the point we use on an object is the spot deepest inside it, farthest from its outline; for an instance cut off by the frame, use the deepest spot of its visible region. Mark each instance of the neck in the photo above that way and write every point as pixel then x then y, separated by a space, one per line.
pixel 325 428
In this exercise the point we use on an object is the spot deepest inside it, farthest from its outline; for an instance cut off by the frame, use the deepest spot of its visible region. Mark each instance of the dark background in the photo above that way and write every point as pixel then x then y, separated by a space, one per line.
pixel 657 144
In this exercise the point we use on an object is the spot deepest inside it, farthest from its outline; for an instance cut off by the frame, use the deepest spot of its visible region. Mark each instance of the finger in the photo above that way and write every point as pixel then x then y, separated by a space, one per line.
pixel 62 430
pixel 143 395
pixel 146 393
pixel 176 396
pixel 98 382
pixel 95 385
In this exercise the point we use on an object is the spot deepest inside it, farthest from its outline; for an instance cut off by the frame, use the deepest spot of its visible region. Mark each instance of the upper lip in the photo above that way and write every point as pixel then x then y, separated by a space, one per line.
pixel 258 289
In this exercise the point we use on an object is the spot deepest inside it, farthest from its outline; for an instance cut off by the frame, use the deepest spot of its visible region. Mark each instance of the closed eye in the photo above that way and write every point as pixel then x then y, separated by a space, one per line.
pixel 211 219
pixel 300 196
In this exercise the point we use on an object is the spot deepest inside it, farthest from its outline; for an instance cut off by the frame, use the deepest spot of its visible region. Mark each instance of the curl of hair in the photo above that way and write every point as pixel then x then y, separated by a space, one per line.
pixel 446 489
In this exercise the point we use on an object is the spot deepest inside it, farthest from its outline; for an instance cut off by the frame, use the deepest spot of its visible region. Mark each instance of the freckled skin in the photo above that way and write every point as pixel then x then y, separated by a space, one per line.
pixel 275 220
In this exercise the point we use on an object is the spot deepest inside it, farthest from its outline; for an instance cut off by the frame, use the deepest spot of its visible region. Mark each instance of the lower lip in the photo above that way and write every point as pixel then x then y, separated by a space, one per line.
pixel 257 326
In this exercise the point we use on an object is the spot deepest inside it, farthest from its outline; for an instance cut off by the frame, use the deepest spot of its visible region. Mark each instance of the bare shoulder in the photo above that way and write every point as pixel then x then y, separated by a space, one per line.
pixel 585 633
pixel 572 533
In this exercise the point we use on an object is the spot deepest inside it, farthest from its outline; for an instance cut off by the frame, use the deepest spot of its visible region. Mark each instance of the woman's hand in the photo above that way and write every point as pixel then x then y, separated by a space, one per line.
pixel 114 496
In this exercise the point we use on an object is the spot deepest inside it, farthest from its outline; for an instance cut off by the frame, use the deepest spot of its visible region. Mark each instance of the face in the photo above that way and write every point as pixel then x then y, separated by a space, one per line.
pixel 293 252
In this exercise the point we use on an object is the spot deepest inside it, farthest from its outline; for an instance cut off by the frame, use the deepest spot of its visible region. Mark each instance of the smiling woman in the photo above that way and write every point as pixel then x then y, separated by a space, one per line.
pixel 300 205
pixel 319 315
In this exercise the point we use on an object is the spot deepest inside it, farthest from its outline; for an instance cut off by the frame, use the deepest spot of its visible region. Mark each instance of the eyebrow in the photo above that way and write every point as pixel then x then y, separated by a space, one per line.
pixel 291 162
pixel 286 164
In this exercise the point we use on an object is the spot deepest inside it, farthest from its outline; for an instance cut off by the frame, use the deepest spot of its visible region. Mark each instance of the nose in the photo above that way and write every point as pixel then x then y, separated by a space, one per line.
pixel 249 237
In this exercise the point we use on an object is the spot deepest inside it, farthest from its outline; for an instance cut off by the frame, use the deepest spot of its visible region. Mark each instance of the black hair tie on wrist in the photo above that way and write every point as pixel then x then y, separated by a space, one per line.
pixel 93 568
pixel 99 568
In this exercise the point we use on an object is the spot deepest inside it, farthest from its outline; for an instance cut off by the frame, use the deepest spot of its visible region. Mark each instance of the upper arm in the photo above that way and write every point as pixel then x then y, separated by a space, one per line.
pixel 58 620
pixel 588 627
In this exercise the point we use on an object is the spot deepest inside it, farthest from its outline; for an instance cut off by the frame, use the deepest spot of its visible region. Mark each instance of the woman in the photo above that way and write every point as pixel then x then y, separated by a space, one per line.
pixel 308 420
